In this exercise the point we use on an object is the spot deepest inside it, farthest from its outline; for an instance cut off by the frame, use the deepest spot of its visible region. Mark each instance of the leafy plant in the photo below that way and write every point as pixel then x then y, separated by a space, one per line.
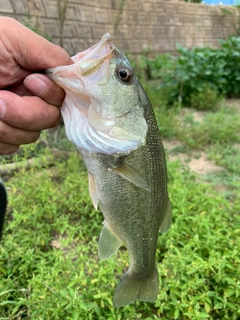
pixel 49 267
pixel 205 98
pixel 197 77
pixel 218 128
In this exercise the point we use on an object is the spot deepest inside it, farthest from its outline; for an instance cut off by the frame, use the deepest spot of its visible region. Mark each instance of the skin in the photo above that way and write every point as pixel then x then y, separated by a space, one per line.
pixel 29 100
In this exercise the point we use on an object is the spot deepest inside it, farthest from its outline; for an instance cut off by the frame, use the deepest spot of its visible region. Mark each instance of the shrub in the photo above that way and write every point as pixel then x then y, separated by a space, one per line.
pixel 198 76
pixel 206 98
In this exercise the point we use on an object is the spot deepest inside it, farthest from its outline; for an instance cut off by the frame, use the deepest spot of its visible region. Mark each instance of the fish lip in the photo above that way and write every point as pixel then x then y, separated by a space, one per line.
pixel 106 38
pixel 96 54
pixel 100 51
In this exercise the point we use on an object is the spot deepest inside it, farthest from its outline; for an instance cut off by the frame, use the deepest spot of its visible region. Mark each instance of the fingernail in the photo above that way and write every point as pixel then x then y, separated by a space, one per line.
pixel 35 84
pixel 2 108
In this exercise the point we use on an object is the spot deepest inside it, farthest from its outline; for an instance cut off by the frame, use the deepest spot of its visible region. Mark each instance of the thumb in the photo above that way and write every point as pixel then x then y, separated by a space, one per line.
pixel 30 50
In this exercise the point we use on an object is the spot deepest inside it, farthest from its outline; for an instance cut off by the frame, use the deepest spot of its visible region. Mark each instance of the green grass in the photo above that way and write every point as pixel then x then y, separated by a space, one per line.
pixel 219 127
pixel 49 265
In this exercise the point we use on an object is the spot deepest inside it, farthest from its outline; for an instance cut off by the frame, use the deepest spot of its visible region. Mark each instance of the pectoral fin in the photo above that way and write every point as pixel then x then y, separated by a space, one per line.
pixel 167 219
pixel 92 190
pixel 108 243
pixel 128 173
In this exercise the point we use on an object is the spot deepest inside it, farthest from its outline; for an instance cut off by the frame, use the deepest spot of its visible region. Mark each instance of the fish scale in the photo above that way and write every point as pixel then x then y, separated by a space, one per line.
pixel 111 121
pixel 136 214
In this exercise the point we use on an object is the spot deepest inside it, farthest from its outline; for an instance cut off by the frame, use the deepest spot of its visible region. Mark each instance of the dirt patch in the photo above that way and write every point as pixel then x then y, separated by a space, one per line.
pixel 197 116
pixel 202 165
pixel 232 103
pixel 171 144
pixel 237 146
pixel 196 161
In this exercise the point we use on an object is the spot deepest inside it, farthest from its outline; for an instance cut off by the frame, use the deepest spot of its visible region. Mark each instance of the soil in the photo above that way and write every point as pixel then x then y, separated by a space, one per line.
pixel 197 161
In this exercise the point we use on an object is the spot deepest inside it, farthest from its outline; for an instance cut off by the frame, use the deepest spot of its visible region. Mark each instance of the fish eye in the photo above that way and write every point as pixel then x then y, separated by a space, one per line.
pixel 124 74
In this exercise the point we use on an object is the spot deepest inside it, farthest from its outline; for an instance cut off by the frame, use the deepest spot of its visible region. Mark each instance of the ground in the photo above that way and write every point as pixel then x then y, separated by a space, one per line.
pixel 198 160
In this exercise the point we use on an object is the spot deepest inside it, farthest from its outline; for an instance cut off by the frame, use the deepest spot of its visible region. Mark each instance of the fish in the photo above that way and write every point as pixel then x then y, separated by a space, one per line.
pixel 109 118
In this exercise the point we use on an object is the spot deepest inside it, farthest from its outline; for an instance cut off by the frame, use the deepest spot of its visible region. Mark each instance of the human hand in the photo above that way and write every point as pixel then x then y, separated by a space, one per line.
pixel 28 101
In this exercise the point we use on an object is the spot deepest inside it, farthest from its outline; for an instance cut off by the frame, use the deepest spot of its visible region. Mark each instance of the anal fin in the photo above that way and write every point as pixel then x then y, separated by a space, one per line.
pixel 92 190
pixel 128 173
pixel 108 243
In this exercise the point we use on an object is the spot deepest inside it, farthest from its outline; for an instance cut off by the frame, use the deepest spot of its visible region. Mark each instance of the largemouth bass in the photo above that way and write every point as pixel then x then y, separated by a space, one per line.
pixel 109 118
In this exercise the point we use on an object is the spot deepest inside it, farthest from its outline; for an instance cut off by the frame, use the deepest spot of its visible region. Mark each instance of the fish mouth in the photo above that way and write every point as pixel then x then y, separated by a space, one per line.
pixel 88 62
pixel 90 66
pixel 98 51
pixel 90 124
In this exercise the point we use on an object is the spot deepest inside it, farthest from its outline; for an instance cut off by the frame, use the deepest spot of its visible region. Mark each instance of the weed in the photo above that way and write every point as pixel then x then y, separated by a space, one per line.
pixel 218 128
pixel 205 98
pixel 198 257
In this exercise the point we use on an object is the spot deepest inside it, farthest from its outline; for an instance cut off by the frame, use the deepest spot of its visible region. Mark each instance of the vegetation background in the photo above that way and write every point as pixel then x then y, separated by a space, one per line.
pixel 49 267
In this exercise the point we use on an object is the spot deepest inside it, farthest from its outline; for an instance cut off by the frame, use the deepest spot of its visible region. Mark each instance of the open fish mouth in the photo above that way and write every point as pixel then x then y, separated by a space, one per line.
pixel 99 51
pixel 88 62
pixel 95 117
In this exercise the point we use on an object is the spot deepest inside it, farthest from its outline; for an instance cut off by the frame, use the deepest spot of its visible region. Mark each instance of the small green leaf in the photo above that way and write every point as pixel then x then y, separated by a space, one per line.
pixel 207 307
pixel 203 315
pixel 176 313
pixel 229 292
pixel 218 305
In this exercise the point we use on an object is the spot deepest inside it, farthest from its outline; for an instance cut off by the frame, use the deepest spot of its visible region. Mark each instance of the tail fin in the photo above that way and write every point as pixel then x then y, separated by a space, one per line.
pixel 136 287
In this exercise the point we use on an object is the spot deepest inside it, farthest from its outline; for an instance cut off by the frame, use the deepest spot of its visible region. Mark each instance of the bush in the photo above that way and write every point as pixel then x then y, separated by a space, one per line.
pixel 198 76
pixel 206 98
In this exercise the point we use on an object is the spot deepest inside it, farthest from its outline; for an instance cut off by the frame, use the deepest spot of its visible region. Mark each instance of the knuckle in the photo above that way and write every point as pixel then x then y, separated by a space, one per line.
pixel 2 130
pixel 34 136
pixel 29 137
pixel 6 149
pixel 52 117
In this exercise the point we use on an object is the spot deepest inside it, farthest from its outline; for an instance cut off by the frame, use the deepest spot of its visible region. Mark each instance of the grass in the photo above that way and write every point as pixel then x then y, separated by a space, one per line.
pixel 218 128
pixel 49 266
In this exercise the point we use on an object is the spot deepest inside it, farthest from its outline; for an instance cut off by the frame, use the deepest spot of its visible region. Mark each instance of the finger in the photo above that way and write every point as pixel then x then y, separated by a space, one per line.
pixel 15 136
pixel 38 54
pixel 19 89
pixel 43 87
pixel 28 113
pixel 7 148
